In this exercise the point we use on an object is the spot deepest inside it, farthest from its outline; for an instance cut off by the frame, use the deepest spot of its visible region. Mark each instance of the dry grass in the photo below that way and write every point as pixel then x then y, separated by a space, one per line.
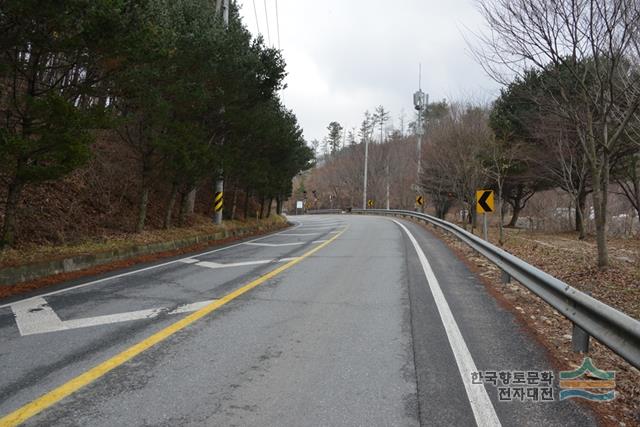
pixel 201 226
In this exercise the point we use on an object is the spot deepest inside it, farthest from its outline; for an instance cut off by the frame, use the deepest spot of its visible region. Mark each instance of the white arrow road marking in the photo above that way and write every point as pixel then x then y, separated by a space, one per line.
pixel 211 264
pixel 128 273
pixel 274 244
pixel 35 316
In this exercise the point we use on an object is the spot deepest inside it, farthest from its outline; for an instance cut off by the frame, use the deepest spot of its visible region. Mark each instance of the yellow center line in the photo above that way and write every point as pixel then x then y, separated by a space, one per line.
pixel 50 398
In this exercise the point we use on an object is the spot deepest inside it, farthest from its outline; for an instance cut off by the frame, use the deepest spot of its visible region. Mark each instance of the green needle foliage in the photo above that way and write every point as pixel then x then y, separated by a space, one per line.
pixel 190 96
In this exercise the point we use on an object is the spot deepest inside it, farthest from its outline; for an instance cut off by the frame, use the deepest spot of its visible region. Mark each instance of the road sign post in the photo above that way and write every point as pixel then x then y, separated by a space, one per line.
pixel 484 205
pixel 485 227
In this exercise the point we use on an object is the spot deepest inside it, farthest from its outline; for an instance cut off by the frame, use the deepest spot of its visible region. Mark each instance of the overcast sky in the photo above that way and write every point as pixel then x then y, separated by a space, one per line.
pixel 346 56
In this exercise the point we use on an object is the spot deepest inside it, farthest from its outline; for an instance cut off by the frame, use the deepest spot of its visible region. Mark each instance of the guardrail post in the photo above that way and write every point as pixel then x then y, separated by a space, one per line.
pixel 506 277
pixel 580 337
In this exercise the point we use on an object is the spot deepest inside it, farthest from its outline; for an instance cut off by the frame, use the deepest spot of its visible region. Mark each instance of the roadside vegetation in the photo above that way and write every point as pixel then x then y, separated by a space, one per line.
pixel 118 116
pixel 565 128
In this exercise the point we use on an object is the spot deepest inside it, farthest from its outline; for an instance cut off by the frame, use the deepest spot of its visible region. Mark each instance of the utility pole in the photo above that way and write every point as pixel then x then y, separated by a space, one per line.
pixel 366 163
pixel 387 182
pixel 222 7
pixel 420 101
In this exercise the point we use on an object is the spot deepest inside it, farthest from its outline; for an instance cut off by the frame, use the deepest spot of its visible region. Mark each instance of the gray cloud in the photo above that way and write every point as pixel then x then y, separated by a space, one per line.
pixel 345 57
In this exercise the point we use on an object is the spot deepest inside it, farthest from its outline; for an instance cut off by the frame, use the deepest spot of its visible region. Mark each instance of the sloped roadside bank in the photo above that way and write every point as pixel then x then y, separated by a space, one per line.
pixel 28 269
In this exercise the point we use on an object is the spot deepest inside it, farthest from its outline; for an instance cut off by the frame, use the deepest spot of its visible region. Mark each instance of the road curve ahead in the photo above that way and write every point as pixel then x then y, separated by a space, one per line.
pixel 339 321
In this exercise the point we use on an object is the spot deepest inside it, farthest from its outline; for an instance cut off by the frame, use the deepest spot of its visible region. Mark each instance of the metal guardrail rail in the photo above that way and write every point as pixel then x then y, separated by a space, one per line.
pixel 324 211
pixel 616 330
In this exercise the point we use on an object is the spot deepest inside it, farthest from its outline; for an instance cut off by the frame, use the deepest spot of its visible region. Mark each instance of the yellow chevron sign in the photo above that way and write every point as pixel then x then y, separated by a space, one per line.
pixel 218 201
pixel 485 202
pixel 419 200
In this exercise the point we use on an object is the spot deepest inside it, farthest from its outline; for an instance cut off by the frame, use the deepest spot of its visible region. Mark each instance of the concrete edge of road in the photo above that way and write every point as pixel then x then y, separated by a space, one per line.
pixel 10 276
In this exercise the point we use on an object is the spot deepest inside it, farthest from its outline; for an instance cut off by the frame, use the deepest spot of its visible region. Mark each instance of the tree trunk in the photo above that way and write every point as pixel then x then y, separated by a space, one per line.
pixel 191 201
pixel 144 195
pixel 515 215
pixel 501 216
pixel 279 205
pixel 473 216
pixel 234 202
pixel 581 201
pixel 261 207
pixel 184 207
pixel 599 196
pixel 142 209
pixel 170 205
pixel 10 212
pixel 246 204
pixel 269 207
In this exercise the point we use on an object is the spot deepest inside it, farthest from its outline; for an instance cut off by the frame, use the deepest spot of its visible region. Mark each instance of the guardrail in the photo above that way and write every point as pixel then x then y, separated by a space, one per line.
pixel 324 211
pixel 616 330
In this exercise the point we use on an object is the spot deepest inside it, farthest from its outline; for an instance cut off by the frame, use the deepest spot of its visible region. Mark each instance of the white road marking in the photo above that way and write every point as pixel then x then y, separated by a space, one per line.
pixel 318 228
pixel 300 234
pixel 212 264
pixel 188 308
pixel 37 317
pixel 483 410
pixel 274 244
pixel 128 273
pixel 318 241
pixel 112 318
pixel 188 260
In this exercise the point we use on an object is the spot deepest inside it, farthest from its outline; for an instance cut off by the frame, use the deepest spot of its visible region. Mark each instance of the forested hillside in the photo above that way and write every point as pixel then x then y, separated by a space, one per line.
pixel 533 161
pixel 118 116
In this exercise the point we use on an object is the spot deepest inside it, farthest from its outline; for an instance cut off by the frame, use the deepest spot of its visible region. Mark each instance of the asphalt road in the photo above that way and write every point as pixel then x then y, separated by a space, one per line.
pixel 365 321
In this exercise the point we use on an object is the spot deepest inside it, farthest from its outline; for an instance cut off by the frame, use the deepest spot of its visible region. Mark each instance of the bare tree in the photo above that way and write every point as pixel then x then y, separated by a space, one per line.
pixel 454 147
pixel 591 48
pixel 499 158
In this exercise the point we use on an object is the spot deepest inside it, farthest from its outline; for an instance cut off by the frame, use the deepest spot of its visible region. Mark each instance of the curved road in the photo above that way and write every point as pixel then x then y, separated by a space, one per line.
pixel 338 321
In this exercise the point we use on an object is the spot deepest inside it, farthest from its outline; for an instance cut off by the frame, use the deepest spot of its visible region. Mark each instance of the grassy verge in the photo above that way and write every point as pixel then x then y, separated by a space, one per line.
pixel 35 254
pixel 202 227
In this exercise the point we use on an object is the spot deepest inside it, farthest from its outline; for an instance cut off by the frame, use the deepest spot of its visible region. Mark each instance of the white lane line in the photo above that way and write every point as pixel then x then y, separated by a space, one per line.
pixel 300 234
pixel 483 409
pixel 274 244
pixel 188 260
pixel 117 276
pixel 318 241
pixel 37 317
